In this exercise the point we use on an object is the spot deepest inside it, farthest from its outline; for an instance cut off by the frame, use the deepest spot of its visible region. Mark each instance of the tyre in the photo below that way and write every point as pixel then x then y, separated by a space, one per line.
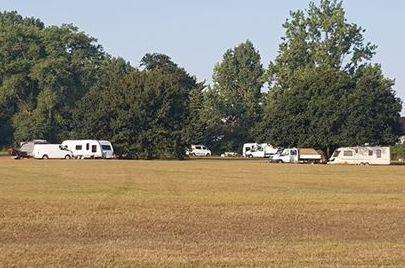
pixel 208 155
pixel 68 157
pixel 45 157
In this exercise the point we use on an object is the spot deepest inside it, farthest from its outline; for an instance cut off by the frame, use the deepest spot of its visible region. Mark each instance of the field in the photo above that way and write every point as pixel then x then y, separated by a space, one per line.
pixel 229 213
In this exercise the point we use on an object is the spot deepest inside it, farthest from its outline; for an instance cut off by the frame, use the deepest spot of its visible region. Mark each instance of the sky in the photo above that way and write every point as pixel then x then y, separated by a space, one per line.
pixel 197 33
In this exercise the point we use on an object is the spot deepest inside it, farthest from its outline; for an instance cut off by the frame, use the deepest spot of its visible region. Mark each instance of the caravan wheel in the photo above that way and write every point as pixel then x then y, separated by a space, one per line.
pixel 45 157
pixel 67 156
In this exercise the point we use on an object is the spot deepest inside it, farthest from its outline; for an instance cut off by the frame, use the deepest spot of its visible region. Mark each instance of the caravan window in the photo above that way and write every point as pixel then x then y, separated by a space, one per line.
pixel 347 153
pixel 87 146
pixel 378 152
pixel 370 153
pixel 94 148
pixel 79 147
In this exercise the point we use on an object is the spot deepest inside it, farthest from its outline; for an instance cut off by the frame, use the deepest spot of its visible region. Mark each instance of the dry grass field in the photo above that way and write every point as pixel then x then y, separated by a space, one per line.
pixel 202 213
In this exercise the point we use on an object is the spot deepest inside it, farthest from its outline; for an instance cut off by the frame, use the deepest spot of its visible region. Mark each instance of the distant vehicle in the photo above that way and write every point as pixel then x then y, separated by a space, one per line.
pixel 28 146
pixel 90 148
pixel 51 151
pixel 297 155
pixel 362 156
pixel 256 150
pixel 229 154
pixel 198 150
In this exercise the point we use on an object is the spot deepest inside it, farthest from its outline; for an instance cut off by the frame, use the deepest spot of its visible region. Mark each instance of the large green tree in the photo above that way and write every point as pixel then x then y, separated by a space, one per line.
pixel 143 112
pixel 44 71
pixel 324 90
pixel 235 97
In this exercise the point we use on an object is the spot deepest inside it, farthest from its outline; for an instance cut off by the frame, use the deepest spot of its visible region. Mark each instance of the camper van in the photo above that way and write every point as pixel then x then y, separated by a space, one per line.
pixel 297 155
pixel 90 148
pixel 361 156
pixel 51 151
pixel 256 150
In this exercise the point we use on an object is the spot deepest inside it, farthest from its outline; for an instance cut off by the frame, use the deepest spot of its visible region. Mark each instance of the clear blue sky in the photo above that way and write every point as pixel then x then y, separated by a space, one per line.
pixel 197 33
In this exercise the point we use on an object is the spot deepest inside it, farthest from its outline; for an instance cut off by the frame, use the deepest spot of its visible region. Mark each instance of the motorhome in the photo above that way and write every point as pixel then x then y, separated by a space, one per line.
pixel 297 155
pixel 51 151
pixel 361 156
pixel 83 149
pixel 198 150
pixel 256 150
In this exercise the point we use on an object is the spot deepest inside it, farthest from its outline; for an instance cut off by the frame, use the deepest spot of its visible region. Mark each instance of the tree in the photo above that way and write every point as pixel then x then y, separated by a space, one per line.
pixel 236 96
pixel 323 86
pixel 44 71
pixel 143 113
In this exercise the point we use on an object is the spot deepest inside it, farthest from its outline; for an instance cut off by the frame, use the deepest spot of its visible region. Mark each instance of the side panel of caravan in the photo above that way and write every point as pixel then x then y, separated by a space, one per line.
pixel 362 155
pixel 84 148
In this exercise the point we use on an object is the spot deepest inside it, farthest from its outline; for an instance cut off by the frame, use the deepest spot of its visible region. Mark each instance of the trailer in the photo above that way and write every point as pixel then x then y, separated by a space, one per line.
pixel 90 148
pixel 297 155
pixel 365 155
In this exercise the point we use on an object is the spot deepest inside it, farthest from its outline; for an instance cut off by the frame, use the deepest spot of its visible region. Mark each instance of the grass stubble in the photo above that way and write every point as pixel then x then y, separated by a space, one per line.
pixel 202 213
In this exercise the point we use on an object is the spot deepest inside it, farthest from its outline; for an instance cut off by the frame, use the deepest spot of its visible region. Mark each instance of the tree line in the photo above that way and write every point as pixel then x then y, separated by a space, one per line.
pixel 322 90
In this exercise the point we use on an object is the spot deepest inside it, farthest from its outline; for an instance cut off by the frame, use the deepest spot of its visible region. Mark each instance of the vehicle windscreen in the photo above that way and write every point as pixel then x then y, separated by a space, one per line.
pixel 106 147
pixel 336 153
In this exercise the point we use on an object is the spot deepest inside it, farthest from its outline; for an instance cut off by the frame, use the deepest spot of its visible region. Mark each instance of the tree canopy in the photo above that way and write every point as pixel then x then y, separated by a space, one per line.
pixel 233 103
pixel 324 91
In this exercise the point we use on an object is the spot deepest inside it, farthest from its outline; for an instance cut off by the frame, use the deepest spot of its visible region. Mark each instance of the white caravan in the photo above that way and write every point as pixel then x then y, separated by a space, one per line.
pixel 256 150
pixel 297 155
pixel 362 156
pixel 51 151
pixel 198 150
pixel 90 148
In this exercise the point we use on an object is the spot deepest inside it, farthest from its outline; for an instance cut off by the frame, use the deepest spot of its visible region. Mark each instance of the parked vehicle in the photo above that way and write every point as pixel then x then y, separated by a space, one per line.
pixel 27 147
pixel 362 156
pixel 51 151
pixel 229 154
pixel 90 148
pixel 297 155
pixel 256 150
pixel 198 150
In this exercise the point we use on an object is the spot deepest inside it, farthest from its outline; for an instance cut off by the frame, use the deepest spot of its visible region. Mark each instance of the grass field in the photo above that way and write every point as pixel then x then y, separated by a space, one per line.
pixel 230 213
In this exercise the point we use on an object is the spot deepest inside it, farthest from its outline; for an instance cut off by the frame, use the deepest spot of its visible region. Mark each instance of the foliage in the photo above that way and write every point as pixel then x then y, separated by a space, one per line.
pixel 58 83
pixel 398 152
pixel 142 112
pixel 233 103
pixel 43 72
pixel 324 90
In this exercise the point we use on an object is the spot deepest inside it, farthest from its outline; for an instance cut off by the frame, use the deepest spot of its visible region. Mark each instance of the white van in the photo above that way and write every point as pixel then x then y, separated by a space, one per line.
pixel 297 155
pixel 90 148
pixel 51 151
pixel 361 156
pixel 257 150
pixel 198 150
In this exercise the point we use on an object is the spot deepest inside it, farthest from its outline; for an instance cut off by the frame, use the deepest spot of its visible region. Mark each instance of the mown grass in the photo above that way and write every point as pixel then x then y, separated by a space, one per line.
pixel 229 213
